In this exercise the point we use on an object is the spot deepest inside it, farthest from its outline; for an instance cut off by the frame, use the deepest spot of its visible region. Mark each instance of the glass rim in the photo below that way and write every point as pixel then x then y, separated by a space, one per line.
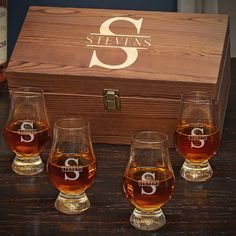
pixel 84 123
pixel 197 96
pixel 27 91
pixel 163 137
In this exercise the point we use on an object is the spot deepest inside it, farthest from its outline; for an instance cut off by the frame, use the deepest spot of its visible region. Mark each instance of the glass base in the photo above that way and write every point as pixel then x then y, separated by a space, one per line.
pixel 27 166
pixel 72 204
pixel 196 172
pixel 147 220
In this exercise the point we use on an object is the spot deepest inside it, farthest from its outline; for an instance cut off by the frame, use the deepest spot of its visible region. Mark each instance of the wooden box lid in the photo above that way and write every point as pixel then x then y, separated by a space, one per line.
pixel 143 54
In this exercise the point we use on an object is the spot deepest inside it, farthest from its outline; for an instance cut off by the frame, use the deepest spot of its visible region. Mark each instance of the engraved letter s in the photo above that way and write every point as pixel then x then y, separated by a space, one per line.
pixel 132 53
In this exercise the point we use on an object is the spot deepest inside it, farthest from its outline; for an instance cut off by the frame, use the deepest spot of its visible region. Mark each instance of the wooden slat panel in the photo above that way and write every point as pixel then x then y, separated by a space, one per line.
pixel 117 126
pixel 62 84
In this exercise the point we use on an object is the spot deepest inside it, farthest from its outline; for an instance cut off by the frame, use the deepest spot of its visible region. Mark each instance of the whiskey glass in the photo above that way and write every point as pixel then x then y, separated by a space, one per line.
pixel 148 180
pixel 27 130
pixel 196 136
pixel 71 164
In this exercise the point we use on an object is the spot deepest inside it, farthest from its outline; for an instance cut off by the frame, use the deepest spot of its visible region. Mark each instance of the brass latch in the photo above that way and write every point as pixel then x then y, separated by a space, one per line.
pixel 111 99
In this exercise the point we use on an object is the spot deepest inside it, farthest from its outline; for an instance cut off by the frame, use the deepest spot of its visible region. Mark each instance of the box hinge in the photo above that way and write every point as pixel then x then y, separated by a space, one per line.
pixel 111 99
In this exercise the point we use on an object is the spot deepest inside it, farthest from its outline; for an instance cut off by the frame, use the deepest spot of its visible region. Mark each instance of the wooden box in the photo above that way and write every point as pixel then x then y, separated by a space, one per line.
pixel 124 71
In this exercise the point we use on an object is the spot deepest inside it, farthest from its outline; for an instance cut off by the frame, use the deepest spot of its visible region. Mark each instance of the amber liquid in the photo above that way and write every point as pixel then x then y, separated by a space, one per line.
pixel 199 147
pixel 27 143
pixel 75 178
pixel 138 191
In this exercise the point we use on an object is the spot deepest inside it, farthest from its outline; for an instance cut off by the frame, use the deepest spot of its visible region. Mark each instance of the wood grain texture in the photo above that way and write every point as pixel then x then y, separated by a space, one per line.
pixel 187 52
pixel 136 114
pixel 53 41
pixel 206 209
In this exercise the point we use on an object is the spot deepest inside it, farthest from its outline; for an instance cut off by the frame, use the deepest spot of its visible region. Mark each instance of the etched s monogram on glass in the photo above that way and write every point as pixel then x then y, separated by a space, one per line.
pixel 148 179
pixel 71 164
pixel 196 136
pixel 27 130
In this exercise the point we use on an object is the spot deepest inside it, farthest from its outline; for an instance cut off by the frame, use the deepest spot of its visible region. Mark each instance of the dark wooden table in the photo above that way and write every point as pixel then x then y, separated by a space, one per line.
pixel 209 208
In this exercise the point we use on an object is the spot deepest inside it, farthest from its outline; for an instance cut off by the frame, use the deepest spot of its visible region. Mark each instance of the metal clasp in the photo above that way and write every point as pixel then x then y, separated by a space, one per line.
pixel 111 99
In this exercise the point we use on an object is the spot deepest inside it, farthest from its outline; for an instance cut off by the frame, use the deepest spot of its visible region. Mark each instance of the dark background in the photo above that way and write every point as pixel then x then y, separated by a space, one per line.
pixel 17 10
